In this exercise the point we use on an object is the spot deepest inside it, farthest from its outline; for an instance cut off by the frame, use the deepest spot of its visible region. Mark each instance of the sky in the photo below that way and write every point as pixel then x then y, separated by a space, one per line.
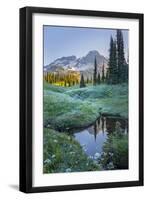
pixel 67 41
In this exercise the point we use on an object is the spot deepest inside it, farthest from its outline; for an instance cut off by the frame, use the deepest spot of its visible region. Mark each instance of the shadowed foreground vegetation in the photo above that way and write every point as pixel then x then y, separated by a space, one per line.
pixel 63 154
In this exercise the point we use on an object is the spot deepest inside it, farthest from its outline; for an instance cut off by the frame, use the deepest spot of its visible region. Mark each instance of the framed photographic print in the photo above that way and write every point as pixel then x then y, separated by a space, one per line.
pixel 81 99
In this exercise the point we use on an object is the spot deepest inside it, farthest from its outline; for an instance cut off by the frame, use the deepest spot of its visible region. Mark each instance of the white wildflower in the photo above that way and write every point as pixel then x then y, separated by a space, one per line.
pixel 47 161
pixel 97 155
pixel 110 165
pixel 68 170
pixel 72 152
pixel 111 154
pixel 90 157
pixel 85 149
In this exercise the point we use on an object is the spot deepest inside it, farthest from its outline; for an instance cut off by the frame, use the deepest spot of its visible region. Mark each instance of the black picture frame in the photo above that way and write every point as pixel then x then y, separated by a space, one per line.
pixel 26 92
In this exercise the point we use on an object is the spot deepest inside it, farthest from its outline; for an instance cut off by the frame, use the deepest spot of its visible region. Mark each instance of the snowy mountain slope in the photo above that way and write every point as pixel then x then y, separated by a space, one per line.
pixel 84 64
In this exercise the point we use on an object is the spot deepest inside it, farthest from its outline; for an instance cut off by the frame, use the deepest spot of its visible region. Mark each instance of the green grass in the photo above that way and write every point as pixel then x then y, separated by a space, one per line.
pixel 64 112
pixel 114 106
pixel 61 153
pixel 111 99
pixel 67 108
pixel 99 91
pixel 115 154
pixel 53 88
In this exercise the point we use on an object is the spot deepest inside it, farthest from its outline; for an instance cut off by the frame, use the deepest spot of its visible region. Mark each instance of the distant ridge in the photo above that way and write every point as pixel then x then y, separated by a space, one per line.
pixel 84 64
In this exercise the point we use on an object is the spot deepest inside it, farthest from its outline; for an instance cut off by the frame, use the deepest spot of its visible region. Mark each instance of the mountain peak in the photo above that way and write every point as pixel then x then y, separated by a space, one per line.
pixel 85 63
pixel 90 57
pixel 68 57
pixel 93 52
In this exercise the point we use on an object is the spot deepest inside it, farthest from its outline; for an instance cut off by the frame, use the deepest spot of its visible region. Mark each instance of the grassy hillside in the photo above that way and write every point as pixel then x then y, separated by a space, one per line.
pixel 64 112
pixel 67 108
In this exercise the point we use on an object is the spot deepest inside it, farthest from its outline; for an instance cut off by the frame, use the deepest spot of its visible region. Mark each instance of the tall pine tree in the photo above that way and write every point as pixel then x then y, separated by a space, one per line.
pixel 103 73
pixel 110 61
pixel 113 70
pixel 98 78
pixel 95 72
pixel 118 67
pixel 121 63
pixel 107 76
pixel 82 82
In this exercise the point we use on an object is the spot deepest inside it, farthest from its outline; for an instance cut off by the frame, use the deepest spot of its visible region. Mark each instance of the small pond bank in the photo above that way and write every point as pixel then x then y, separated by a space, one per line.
pixel 98 139
pixel 93 137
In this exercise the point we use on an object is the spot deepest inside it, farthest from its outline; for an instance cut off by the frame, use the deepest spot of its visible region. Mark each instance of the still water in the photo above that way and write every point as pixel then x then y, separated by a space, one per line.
pixel 93 138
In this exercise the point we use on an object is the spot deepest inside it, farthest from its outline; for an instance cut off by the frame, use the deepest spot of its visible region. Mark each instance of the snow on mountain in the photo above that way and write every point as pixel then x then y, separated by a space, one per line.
pixel 84 64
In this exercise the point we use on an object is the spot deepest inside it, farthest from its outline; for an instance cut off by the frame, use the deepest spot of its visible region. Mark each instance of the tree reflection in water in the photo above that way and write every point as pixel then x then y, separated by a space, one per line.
pixel 107 137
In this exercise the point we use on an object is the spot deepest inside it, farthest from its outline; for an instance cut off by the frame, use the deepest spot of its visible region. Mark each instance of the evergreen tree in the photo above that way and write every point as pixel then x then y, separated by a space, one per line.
pixel 110 60
pixel 113 71
pixel 48 80
pixel 98 78
pixel 118 67
pixel 95 72
pixel 115 68
pixel 82 82
pixel 91 80
pixel 122 68
pixel 107 76
pixel 126 68
pixel 69 84
pixel 103 73
pixel 87 80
